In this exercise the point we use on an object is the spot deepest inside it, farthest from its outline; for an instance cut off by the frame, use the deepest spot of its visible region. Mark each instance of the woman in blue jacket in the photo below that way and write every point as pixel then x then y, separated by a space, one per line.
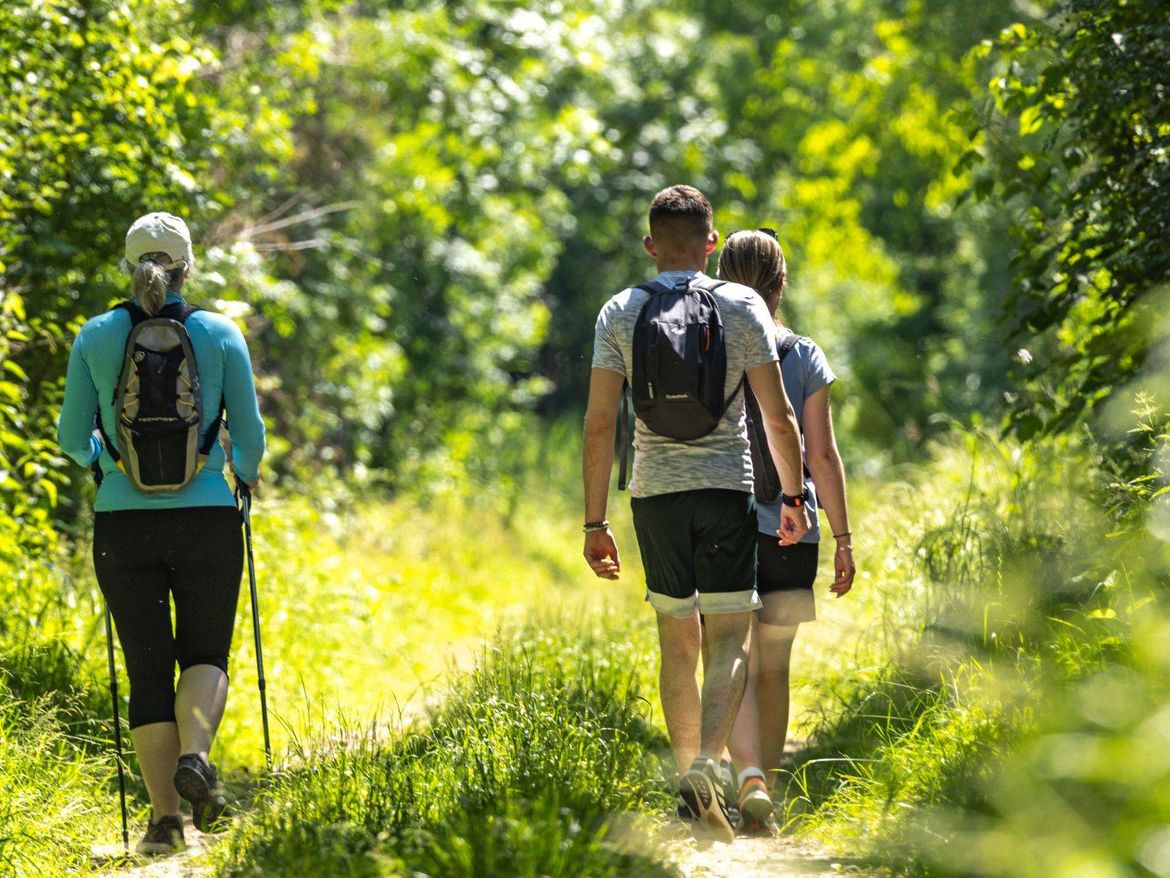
pixel 185 545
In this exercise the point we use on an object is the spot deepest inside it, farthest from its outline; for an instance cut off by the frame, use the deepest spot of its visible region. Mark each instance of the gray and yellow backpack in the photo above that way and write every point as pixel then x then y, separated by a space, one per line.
pixel 158 403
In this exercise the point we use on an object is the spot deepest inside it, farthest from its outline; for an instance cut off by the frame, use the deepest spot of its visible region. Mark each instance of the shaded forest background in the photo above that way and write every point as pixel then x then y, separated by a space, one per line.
pixel 416 211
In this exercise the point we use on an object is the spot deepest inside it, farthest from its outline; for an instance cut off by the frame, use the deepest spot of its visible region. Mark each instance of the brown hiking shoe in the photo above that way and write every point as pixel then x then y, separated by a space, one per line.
pixel 196 781
pixel 755 803
pixel 163 837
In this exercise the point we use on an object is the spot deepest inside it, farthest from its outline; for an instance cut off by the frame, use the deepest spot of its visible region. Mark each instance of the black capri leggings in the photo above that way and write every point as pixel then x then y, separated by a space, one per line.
pixel 141 558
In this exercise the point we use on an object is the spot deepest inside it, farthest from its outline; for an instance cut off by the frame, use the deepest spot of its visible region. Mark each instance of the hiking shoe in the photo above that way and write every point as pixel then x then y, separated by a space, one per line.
pixel 730 791
pixel 766 828
pixel 196 782
pixel 163 837
pixel 702 792
pixel 755 803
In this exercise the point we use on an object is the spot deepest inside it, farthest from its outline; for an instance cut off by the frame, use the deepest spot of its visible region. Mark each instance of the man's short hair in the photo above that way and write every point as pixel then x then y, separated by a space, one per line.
pixel 679 216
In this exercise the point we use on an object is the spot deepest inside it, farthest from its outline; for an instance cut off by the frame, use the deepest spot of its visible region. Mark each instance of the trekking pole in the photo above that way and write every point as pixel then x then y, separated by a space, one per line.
pixel 246 508
pixel 117 729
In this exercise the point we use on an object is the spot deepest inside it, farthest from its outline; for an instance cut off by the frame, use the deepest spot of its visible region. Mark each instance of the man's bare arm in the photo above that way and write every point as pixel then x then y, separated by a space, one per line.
pixel 780 425
pixel 605 393
pixel 784 443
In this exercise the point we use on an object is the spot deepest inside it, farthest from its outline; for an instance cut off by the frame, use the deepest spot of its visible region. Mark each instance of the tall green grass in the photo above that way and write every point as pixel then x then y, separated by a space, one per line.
pixel 1005 714
pixel 55 797
pixel 535 765
pixel 368 607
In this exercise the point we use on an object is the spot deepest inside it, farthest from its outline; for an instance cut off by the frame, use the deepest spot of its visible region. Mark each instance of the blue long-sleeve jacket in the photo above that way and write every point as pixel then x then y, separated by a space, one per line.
pixel 225 369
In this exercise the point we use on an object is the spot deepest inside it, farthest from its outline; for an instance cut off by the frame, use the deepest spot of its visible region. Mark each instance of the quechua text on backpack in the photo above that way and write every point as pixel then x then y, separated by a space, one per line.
pixel 680 363
pixel 158 403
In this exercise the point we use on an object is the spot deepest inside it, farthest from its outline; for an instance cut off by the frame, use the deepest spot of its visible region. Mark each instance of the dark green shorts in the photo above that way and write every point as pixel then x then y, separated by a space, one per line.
pixel 699 551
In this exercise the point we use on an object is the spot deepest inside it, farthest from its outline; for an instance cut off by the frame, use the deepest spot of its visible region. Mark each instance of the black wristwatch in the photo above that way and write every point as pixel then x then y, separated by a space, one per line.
pixel 797 500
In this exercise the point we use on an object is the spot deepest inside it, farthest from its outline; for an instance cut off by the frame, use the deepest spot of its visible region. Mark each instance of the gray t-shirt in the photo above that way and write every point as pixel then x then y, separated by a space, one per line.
pixel 805 371
pixel 722 458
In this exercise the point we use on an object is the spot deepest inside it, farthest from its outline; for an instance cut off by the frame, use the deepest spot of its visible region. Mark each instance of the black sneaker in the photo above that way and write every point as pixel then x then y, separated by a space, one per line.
pixel 702 793
pixel 163 837
pixel 730 792
pixel 196 782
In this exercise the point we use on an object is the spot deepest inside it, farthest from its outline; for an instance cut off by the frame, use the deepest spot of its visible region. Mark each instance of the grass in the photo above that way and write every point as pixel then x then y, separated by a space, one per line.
pixel 56 788
pixel 532 767
pixel 1004 712
pixel 989 700
pixel 369 608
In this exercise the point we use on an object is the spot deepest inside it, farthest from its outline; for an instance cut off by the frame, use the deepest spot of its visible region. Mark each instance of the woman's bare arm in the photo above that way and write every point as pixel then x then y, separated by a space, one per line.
pixel 828 474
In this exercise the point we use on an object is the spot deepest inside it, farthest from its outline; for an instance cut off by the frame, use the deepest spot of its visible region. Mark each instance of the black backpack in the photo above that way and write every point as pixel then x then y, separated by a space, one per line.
pixel 680 364
pixel 764 475
pixel 159 404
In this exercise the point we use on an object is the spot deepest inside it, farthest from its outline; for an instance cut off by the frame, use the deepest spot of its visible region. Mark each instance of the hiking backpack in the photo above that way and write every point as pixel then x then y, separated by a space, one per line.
pixel 680 364
pixel 764 475
pixel 158 403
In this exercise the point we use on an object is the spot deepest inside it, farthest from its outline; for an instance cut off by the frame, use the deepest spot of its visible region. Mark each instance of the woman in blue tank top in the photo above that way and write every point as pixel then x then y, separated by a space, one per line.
pixel 184 545
pixel 785 574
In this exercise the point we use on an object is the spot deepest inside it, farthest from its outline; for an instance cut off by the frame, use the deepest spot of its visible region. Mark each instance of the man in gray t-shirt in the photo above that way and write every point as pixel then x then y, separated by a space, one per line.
pixel 694 511
pixel 722 458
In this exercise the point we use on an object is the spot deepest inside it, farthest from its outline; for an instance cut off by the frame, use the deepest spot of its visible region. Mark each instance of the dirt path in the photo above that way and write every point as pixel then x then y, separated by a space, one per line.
pixel 746 858
pixel 783 857
pixel 182 865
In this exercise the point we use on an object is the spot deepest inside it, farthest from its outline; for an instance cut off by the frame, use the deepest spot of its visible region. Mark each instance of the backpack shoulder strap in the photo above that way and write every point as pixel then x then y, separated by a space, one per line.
pixel 787 345
pixel 653 287
pixel 710 284
pixel 137 315
pixel 179 311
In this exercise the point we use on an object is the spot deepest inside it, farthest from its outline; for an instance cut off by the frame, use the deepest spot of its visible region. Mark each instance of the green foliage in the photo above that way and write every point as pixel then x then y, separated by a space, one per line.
pixel 1075 134
pixel 1004 724
pixel 525 770
pixel 416 211
pixel 108 115
pixel 56 799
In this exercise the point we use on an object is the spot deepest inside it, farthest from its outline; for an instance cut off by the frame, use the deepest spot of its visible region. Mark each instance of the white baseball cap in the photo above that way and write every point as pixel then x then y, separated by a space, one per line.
pixel 159 233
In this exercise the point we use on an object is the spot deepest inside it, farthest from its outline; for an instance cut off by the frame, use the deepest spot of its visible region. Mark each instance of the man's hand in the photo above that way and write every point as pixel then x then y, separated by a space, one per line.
pixel 601 552
pixel 843 568
pixel 793 524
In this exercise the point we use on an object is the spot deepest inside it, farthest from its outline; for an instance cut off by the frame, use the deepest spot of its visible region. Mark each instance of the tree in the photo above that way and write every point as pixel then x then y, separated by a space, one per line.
pixel 1076 137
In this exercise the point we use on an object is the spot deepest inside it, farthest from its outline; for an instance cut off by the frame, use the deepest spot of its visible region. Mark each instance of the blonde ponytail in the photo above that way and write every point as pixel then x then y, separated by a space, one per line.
pixel 149 285
pixel 755 259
